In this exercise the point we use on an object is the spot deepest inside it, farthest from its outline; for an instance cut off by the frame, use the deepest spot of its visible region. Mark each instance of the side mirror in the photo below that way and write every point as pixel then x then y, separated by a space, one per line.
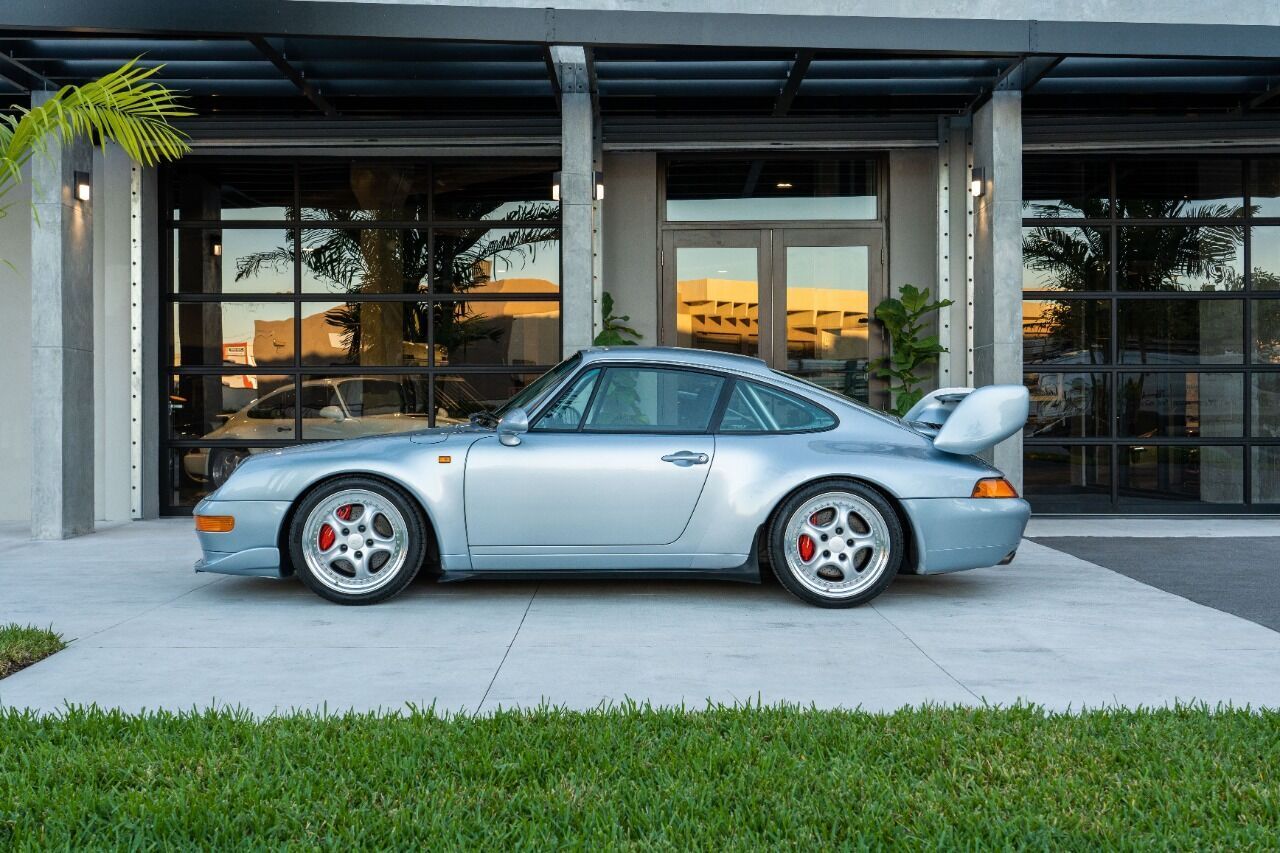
pixel 512 424
pixel 333 413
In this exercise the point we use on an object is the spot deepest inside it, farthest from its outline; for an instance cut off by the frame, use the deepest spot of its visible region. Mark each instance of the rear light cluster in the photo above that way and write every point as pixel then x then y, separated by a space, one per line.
pixel 994 487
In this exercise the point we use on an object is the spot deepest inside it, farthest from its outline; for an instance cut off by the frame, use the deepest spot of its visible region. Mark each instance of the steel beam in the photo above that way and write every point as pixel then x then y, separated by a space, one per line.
pixel 791 87
pixel 295 76
pixel 880 35
pixel 24 75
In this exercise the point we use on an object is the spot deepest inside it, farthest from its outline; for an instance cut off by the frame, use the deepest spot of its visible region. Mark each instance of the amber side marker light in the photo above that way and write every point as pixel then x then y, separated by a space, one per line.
pixel 994 487
pixel 215 523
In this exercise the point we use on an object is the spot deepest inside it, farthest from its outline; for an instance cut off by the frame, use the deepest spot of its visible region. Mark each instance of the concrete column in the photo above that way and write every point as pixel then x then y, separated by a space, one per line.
pixel 997 257
pixel 62 465
pixel 577 198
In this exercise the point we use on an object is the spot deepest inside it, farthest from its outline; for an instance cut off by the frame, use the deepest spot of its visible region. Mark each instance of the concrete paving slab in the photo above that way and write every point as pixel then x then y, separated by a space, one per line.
pixel 1051 628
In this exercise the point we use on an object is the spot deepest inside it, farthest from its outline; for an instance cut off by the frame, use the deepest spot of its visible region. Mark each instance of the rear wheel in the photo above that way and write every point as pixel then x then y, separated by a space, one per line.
pixel 357 540
pixel 836 544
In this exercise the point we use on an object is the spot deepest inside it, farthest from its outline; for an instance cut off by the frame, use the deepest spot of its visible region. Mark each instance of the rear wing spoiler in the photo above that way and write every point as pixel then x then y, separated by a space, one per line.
pixel 966 420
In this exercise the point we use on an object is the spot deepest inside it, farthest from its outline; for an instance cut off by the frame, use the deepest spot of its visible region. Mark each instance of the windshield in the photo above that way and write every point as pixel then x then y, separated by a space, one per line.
pixel 531 392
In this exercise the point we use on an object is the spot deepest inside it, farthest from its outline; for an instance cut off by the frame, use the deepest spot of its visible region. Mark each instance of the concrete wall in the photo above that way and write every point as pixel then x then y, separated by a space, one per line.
pixel 15 352
pixel 913 223
pixel 111 343
pixel 630 241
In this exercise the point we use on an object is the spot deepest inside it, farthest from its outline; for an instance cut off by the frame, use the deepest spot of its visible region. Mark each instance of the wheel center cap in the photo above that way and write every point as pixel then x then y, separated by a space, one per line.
pixel 355 540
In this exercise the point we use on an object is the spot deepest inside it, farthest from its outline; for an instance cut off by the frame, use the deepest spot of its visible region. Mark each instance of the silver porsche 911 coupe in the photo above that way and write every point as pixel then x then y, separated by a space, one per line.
pixel 637 461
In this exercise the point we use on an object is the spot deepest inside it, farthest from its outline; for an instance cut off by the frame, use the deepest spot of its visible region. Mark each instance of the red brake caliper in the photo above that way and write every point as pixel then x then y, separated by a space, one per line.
pixel 806 546
pixel 343 512
pixel 327 536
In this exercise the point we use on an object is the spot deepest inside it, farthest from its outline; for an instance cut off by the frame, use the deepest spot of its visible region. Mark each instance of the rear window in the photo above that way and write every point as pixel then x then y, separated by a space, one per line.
pixel 757 408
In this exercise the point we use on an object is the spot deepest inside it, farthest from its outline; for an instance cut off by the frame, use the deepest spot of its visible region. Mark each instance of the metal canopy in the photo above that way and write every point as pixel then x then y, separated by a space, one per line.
pixel 281 77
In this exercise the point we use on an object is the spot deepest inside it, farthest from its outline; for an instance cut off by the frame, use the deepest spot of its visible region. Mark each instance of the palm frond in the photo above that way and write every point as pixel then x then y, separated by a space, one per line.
pixel 125 107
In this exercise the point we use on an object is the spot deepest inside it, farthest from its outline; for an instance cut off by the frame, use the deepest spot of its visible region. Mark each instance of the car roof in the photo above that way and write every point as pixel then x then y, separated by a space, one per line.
pixel 679 355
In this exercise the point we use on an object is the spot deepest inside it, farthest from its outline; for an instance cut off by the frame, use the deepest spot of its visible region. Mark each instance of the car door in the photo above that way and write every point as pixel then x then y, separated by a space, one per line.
pixel 619 459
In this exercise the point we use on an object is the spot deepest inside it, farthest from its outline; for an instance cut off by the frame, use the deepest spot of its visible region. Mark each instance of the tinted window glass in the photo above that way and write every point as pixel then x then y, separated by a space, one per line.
pixel 1055 186
pixel 755 408
pixel 771 189
pixel 364 190
pixel 1065 258
pixel 651 400
pixel 567 412
pixel 1159 189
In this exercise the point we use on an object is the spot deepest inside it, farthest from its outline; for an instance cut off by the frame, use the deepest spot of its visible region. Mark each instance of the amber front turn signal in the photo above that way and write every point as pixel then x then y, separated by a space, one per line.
pixel 994 487
pixel 215 523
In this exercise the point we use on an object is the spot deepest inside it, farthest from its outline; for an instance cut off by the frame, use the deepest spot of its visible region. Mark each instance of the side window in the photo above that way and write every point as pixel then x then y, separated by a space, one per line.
pixel 274 407
pixel 566 413
pixel 313 398
pixel 366 397
pixel 756 408
pixel 640 399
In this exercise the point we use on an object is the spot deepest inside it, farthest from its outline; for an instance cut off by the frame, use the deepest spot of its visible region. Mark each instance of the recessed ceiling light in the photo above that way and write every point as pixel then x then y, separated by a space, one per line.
pixel 784 185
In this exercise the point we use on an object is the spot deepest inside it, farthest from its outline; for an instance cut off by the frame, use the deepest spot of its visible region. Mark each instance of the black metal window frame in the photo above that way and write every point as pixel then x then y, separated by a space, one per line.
pixel 296 370
pixel 1113 368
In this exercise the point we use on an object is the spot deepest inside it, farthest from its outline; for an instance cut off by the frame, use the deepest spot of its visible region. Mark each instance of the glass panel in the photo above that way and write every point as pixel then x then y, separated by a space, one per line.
pixel 1153 474
pixel 233 260
pixel 352 406
pixel 1266 405
pixel 210 334
pixel 498 260
pixel 510 190
pixel 567 412
pixel 1266 475
pixel 1065 258
pixel 231 191
pixel 644 400
pixel 1154 188
pixel 755 408
pixel 458 396
pixel 227 407
pixel 375 334
pixel 1264 257
pixel 359 190
pixel 1180 258
pixel 1067 477
pixel 1181 331
pixel 513 332
pixel 1066 331
pixel 194 472
pixel 1264 187
pixel 827 331
pixel 1056 186
pixel 1266 331
pixel 365 260
pixel 771 189
pixel 718 299
pixel 1181 405
pixel 1068 405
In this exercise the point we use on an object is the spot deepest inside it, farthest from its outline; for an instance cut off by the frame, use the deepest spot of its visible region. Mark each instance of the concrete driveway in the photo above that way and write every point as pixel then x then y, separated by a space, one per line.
pixel 148 633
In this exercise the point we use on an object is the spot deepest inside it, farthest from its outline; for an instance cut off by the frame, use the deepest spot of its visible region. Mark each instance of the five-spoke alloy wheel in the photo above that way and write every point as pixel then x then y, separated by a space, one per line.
pixel 836 543
pixel 357 540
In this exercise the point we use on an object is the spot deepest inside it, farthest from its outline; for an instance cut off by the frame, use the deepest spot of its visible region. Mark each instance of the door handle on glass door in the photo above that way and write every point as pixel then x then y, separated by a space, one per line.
pixel 686 458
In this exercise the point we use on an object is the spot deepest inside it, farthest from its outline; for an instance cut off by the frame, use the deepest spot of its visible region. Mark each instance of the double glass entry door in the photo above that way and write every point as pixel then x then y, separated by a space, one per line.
pixel 799 298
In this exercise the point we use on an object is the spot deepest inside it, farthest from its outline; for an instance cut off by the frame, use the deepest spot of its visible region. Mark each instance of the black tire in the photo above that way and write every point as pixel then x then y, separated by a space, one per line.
pixel 415 536
pixel 789 576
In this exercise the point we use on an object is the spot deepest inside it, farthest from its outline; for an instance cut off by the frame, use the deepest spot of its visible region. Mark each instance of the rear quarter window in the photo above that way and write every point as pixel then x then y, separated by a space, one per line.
pixel 757 408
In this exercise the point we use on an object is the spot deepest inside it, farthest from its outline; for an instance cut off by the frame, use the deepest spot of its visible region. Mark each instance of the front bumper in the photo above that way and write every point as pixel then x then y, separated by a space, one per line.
pixel 252 548
pixel 954 534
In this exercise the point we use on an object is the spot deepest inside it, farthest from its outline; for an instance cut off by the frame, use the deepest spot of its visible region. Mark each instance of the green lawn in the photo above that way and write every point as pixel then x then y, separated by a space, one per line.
pixel 634 777
pixel 22 646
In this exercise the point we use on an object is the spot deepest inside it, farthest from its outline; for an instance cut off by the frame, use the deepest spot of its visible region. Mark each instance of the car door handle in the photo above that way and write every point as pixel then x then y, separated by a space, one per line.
pixel 685 458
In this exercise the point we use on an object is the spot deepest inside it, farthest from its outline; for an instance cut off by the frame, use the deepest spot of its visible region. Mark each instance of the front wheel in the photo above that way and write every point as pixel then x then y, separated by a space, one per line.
pixel 836 544
pixel 357 540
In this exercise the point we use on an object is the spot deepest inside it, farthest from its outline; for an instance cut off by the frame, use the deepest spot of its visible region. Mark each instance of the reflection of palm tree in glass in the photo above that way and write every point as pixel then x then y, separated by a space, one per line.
pixel 364 261
pixel 1147 259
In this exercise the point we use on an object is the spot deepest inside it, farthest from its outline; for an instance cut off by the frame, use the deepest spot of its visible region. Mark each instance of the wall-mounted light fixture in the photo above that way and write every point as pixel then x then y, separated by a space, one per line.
pixel 555 186
pixel 84 188
pixel 978 182
pixel 217 248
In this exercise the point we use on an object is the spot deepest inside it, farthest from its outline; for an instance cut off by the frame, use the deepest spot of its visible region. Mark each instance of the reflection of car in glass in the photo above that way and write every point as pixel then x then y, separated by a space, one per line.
pixel 650 461
pixel 345 407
